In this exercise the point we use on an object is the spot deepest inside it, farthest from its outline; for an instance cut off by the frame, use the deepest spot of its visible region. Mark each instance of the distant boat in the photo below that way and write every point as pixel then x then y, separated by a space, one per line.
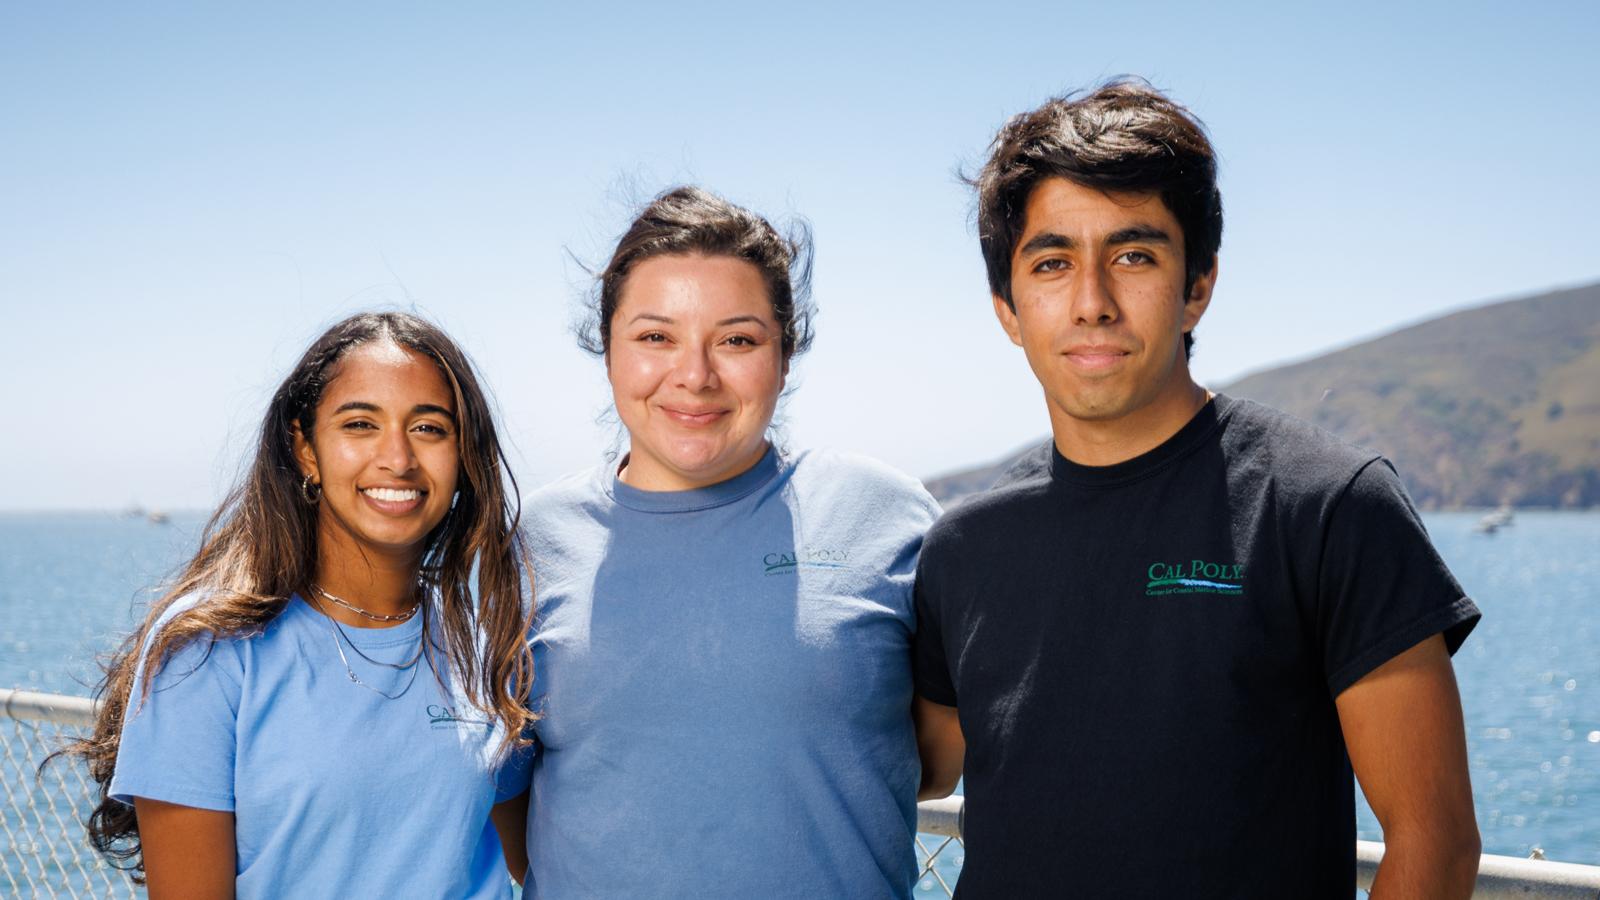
pixel 134 512
pixel 1494 521
pixel 159 517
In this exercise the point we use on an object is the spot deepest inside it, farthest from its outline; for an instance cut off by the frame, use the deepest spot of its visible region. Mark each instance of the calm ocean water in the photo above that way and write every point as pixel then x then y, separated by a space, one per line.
pixel 1530 674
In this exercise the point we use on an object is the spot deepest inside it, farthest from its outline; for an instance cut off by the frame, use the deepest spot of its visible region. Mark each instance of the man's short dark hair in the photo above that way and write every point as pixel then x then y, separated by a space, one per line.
pixel 1125 136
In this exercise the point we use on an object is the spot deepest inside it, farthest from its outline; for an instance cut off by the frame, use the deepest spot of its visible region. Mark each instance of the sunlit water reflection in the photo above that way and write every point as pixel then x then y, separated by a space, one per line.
pixel 1530 681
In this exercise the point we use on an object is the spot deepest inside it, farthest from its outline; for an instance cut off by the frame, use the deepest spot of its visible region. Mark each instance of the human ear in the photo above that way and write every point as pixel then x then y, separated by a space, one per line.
pixel 1194 306
pixel 304 452
pixel 1008 319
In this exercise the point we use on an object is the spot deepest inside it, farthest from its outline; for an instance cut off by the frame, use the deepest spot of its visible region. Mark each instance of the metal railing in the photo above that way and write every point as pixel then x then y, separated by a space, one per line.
pixel 41 820
pixel 1504 877
pixel 41 823
pixel 939 860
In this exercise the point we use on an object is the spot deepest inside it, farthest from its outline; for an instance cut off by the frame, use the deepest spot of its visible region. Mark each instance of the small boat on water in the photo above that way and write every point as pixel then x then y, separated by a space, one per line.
pixel 159 517
pixel 1500 518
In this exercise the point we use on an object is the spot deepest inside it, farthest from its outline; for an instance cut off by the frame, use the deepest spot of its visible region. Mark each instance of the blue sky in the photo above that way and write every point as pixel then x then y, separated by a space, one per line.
pixel 189 194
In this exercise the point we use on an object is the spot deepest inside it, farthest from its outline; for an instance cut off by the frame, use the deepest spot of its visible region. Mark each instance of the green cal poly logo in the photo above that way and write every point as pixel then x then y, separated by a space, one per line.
pixel 1194 577
pixel 441 716
pixel 787 561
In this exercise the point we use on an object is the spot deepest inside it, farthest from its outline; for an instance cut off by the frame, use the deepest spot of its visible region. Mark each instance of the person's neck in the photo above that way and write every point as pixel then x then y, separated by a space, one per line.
pixel 1106 442
pixel 378 583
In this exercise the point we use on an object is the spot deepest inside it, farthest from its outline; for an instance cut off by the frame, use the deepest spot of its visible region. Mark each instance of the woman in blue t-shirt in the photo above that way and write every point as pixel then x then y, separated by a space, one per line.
pixel 320 705
pixel 723 628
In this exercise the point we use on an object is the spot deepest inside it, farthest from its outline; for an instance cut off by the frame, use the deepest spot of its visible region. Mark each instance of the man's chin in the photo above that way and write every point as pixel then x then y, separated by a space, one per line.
pixel 1094 407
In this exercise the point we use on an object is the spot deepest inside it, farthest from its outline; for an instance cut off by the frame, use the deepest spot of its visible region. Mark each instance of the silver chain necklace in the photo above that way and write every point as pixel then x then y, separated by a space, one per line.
pixel 337 631
pixel 378 617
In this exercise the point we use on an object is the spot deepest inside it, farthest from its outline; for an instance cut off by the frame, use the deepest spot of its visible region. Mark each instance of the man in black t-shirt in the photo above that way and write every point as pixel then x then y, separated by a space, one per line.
pixel 1157 648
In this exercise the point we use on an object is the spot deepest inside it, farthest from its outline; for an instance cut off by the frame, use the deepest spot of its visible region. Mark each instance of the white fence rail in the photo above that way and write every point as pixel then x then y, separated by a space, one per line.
pixel 44 855
pixel 1504 877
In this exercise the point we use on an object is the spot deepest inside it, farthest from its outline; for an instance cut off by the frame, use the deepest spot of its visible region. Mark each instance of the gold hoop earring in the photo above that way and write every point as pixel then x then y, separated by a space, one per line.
pixel 312 492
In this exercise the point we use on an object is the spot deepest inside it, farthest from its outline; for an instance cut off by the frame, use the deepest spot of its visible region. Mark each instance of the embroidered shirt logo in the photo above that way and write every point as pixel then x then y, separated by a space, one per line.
pixel 1194 577
pixel 440 716
pixel 784 562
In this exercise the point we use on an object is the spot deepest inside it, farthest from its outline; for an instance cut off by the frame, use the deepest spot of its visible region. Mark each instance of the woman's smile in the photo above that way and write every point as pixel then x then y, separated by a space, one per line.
pixel 394 501
pixel 693 418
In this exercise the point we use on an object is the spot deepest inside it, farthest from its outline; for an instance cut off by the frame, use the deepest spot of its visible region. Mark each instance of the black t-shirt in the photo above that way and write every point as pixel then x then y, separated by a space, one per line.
pixel 1145 658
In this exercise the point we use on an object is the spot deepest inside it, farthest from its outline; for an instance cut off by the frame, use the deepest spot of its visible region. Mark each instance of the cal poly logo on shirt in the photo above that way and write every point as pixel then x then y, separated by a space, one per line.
pixel 1194 577
pixel 442 717
pixel 786 562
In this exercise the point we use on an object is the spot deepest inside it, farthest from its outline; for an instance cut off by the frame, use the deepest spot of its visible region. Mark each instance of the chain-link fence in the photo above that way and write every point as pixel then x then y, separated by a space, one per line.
pixel 940 851
pixel 41 824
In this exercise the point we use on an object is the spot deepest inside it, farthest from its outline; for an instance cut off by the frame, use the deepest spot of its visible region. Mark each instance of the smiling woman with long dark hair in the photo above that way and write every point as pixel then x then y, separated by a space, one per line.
pixel 320 704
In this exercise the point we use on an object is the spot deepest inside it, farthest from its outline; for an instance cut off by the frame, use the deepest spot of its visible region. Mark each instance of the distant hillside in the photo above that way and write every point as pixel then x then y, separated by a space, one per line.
pixel 1497 404
pixel 953 488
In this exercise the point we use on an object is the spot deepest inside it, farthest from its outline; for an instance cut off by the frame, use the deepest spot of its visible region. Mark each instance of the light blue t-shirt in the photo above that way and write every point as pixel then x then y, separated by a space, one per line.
pixel 336 791
pixel 725 676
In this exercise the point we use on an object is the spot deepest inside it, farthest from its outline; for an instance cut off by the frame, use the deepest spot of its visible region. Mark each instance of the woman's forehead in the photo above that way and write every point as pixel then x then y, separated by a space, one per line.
pixel 698 287
pixel 385 368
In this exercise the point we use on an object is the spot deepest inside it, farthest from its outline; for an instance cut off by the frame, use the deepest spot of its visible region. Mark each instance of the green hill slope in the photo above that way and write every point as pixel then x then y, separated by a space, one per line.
pixel 1497 404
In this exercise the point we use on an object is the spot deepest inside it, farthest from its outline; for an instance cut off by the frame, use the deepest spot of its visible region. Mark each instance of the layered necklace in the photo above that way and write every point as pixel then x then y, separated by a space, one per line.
pixel 377 617
pixel 337 632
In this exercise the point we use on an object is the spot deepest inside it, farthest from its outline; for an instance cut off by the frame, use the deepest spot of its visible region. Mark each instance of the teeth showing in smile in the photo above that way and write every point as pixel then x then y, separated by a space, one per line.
pixel 391 495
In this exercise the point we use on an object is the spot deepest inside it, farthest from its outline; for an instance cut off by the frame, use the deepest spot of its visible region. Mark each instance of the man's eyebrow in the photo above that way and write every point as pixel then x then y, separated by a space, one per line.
pixel 1047 240
pixel 1147 234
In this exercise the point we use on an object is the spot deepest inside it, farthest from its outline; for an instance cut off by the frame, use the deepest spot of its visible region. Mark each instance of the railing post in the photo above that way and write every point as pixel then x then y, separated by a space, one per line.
pixel 941 816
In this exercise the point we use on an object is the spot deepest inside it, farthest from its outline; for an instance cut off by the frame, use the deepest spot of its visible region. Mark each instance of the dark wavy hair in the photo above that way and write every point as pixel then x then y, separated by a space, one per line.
pixel 1125 136
pixel 689 221
pixel 260 548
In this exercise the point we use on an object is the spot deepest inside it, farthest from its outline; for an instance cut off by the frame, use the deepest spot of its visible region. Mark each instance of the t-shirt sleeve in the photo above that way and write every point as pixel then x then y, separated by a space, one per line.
pixel 515 774
pixel 930 667
pixel 1382 587
pixel 178 742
